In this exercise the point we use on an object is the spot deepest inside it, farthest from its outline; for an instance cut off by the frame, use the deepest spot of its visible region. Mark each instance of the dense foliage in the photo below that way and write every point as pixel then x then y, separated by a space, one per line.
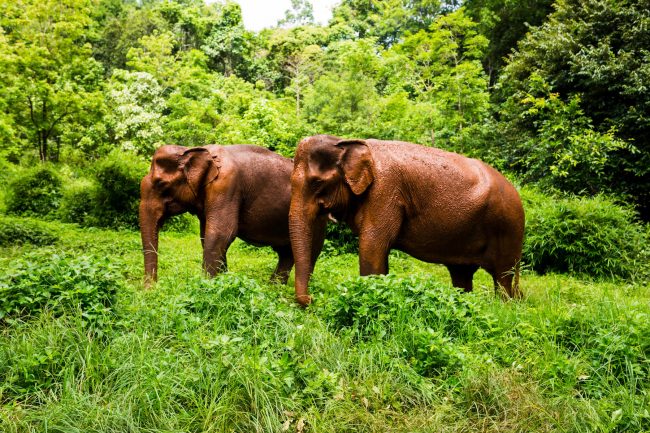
pixel 576 90
pixel 55 281
pixel 553 91
pixel 18 231
pixel 588 236
pixel 34 192
pixel 118 189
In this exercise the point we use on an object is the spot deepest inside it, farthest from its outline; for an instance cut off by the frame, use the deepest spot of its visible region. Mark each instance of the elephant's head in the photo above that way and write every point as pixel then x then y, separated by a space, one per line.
pixel 182 173
pixel 329 175
pixel 174 184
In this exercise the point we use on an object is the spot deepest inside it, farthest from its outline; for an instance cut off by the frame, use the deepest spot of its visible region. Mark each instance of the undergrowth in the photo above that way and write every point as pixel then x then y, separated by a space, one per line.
pixel 404 352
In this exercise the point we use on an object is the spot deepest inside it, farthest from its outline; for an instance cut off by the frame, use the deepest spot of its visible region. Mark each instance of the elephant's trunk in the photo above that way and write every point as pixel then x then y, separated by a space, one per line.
pixel 302 220
pixel 151 215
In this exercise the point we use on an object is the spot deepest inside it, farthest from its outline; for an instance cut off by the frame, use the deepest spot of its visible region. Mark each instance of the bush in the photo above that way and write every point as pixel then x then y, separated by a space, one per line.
pixel 7 172
pixel 34 192
pixel 183 223
pixel 78 203
pixel 56 282
pixel 339 239
pixel 17 231
pixel 427 318
pixel 375 302
pixel 588 236
pixel 117 198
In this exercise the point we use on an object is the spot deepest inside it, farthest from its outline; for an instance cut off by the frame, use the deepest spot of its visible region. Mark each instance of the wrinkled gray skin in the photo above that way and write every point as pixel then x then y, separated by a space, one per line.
pixel 439 207
pixel 236 191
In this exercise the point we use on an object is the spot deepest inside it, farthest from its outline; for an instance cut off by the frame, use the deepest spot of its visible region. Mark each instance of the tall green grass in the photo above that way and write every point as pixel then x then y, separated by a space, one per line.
pixel 404 352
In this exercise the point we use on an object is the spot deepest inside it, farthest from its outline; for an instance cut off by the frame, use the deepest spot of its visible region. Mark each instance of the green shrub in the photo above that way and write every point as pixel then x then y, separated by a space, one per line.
pixel 7 172
pixel 427 318
pixel 78 203
pixel 34 192
pixel 101 203
pixel 181 223
pixel 56 281
pixel 588 236
pixel 118 178
pixel 17 231
pixel 366 303
pixel 339 239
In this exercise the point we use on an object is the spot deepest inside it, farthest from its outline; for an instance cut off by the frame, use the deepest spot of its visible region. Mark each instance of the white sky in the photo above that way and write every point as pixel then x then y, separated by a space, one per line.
pixel 259 14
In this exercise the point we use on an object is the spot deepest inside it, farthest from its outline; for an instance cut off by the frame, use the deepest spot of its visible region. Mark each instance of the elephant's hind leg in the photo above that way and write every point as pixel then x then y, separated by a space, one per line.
pixel 462 275
pixel 285 263
pixel 506 279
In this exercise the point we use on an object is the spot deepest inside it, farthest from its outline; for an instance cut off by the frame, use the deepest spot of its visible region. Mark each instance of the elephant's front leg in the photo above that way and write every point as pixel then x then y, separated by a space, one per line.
pixel 285 263
pixel 220 232
pixel 373 254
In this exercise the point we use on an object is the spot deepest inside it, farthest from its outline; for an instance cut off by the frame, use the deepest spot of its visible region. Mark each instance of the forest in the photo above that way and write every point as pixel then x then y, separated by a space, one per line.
pixel 554 94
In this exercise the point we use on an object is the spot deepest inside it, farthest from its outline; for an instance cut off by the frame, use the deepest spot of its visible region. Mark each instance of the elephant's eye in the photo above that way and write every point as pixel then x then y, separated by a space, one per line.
pixel 167 164
pixel 319 186
pixel 316 182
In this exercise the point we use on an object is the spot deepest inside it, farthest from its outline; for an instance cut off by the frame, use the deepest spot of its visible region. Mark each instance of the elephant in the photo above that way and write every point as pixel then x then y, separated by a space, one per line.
pixel 236 191
pixel 437 206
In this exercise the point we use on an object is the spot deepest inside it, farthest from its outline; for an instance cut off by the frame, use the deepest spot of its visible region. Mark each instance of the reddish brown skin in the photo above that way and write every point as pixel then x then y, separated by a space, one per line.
pixel 438 206
pixel 236 191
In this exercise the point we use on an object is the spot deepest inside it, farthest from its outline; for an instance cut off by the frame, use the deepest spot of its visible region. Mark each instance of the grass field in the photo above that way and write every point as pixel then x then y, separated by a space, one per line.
pixel 401 353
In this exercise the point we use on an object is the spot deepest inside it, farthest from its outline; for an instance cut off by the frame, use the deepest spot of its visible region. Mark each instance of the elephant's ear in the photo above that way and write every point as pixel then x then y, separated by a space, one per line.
pixel 357 164
pixel 200 167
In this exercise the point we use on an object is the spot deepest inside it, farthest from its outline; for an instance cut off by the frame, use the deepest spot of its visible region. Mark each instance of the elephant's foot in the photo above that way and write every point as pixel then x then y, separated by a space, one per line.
pixel 149 282
pixel 303 300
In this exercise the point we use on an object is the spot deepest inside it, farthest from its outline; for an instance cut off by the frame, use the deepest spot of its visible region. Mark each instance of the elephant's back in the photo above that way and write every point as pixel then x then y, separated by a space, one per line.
pixel 263 179
pixel 260 159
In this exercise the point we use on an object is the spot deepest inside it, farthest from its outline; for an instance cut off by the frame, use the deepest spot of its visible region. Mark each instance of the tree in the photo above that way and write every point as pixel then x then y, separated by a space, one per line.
pixel 285 52
pixel 344 100
pixel 446 64
pixel 154 55
pixel 137 105
pixel 594 52
pixel 190 21
pixel 228 44
pixel 51 82
pixel 301 13
pixel 303 67
pixel 389 20
pixel 193 104
pixel 504 23
pixel 122 28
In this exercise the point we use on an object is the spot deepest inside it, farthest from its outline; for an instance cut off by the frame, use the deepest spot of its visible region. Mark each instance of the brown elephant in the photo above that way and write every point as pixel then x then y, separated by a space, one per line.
pixel 236 191
pixel 438 206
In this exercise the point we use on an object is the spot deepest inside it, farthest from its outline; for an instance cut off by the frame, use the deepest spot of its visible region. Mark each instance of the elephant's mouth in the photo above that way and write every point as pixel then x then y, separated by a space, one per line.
pixel 337 215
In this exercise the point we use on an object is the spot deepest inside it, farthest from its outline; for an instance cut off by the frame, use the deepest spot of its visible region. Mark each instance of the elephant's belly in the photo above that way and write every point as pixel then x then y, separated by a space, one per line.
pixel 459 245
pixel 263 229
